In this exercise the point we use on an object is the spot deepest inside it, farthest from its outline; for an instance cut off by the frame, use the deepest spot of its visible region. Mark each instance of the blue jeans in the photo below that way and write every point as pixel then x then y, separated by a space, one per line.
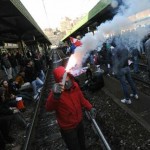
pixel 36 84
pixel 42 75
pixel 123 75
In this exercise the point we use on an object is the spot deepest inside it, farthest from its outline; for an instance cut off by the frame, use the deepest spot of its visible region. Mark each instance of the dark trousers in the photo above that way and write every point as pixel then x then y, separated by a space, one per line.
pixel 2 141
pixel 74 138
pixel 4 132
pixel 124 75
pixel 18 117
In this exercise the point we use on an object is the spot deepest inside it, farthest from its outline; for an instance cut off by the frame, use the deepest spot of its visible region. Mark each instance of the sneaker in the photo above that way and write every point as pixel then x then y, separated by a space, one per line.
pixel 125 101
pixel 131 95
pixel 40 89
pixel 135 96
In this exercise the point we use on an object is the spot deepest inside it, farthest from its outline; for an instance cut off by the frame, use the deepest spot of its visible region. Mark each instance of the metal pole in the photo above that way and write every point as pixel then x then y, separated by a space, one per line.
pixel 99 132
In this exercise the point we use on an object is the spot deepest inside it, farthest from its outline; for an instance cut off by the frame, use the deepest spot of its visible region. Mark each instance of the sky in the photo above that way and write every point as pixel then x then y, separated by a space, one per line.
pixel 48 13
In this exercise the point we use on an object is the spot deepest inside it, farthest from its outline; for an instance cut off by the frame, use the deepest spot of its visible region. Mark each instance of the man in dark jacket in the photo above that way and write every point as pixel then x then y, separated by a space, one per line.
pixel 135 57
pixel 7 66
pixel 67 100
pixel 106 57
pixel 33 77
pixel 94 80
pixel 38 66
pixel 13 62
pixel 123 74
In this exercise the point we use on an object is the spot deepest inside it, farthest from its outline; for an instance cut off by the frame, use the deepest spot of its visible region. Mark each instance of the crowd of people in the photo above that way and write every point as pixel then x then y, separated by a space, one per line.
pixel 67 100
pixel 115 60
pixel 23 81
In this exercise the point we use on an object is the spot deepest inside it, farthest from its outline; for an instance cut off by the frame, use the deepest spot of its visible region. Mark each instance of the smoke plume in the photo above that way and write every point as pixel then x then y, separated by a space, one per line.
pixel 121 26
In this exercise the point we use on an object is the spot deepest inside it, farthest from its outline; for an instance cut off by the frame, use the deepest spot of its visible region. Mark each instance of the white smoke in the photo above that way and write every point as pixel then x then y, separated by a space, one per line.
pixel 89 43
pixel 134 6
pixel 118 27
pixel 114 4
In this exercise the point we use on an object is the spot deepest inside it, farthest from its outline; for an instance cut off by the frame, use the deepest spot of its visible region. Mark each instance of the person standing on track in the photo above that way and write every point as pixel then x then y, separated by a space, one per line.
pixel 67 100
pixel 123 74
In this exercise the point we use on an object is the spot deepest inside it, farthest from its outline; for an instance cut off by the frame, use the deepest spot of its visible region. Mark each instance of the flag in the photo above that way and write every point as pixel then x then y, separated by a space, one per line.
pixel 75 42
pixel 72 48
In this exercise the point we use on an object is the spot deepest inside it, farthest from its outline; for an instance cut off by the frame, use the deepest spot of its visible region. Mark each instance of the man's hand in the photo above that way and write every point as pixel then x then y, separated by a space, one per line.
pixel 57 89
pixel 93 113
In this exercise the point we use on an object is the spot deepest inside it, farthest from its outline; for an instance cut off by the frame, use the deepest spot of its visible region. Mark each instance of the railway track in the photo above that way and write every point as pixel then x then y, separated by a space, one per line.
pixel 143 66
pixel 140 77
pixel 44 131
pixel 141 80
pixel 121 130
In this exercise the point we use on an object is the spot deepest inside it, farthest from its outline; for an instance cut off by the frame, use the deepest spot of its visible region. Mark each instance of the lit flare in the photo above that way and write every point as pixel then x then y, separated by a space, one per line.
pixel 71 63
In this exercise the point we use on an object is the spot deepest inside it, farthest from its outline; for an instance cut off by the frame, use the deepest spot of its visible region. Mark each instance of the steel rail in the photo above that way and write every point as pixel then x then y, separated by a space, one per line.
pixel 138 79
pixel 27 141
pixel 60 59
pixel 143 66
pixel 100 134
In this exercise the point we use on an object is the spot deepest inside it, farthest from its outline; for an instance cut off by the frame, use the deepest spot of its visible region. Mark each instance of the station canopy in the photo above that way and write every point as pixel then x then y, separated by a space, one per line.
pixel 16 24
pixel 98 14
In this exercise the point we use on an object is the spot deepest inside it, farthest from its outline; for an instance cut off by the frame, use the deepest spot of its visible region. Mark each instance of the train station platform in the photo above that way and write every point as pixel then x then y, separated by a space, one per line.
pixel 139 109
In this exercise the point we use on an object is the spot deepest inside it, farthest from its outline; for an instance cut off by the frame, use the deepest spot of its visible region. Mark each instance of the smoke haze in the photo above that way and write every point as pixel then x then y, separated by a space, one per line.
pixel 116 26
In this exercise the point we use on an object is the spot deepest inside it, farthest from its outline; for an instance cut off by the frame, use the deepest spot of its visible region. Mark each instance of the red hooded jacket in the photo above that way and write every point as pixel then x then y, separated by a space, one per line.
pixel 69 106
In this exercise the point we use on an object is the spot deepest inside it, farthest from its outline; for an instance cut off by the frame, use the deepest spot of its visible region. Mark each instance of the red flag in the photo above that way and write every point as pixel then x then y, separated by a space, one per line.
pixel 75 41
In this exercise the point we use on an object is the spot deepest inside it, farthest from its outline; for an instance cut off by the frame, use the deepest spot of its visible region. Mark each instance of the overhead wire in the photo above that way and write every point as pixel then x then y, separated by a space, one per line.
pixel 46 13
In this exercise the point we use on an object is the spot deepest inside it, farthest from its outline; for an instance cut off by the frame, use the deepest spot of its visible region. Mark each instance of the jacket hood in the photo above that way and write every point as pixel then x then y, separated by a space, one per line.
pixel 58 73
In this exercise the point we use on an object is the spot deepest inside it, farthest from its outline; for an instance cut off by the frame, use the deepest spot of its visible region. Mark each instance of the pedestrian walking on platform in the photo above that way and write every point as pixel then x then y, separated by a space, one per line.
pixel 67 100
pixel 123 74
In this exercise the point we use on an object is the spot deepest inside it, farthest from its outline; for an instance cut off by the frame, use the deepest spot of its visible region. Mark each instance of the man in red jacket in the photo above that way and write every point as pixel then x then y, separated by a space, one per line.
pixel 67 100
